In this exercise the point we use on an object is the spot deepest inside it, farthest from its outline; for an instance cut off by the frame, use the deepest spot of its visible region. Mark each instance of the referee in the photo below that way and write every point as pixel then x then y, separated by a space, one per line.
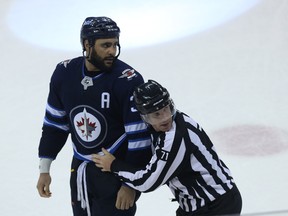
pixel 184 158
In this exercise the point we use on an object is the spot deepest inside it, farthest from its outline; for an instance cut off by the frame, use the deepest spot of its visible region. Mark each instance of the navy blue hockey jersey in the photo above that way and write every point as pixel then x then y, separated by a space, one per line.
pixel 97 111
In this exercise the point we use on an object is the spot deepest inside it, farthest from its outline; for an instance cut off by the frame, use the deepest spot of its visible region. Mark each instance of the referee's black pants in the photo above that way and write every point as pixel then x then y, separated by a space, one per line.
pixel 229 203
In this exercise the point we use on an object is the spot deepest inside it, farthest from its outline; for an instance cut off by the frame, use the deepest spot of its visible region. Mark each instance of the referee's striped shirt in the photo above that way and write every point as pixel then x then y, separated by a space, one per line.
pixel 184 159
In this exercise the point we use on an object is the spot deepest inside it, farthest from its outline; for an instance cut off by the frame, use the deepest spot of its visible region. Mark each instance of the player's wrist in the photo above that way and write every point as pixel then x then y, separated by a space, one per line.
pixel 44 165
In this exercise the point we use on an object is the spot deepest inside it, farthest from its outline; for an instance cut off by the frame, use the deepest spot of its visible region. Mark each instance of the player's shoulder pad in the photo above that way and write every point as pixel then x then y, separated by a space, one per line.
pixel 67 62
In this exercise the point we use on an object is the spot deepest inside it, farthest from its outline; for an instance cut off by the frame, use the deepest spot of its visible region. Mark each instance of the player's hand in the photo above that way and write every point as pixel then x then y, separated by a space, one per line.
pixel 43 185
pixel 103 161
pixel 125 198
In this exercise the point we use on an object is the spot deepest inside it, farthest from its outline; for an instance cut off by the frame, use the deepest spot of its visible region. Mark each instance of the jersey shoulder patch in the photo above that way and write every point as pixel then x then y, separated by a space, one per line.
pixel 65 62
pixel 128 74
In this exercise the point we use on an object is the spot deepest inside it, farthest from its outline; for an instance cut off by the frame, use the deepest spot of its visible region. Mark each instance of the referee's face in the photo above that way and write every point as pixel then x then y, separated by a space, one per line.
pixel 160 120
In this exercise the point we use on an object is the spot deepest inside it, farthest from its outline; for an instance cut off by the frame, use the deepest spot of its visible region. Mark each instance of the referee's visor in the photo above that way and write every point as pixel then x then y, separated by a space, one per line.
pixel 159 116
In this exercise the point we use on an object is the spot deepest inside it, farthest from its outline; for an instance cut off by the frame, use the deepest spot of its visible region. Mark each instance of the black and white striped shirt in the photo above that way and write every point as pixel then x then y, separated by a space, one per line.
pixel 185 159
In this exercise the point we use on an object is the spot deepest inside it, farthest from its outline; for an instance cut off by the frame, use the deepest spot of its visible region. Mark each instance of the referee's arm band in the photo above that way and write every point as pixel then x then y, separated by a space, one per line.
pixel 44 165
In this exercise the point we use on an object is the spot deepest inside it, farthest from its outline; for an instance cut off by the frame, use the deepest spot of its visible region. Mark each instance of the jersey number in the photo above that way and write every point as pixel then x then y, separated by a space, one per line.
pixel 164 155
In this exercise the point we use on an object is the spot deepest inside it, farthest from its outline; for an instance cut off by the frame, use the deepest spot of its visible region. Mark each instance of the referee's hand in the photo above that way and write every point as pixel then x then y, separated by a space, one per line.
pixel 103 161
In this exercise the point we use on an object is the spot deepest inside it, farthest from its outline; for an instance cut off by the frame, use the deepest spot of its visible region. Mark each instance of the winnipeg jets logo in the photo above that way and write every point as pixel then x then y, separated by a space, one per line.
pixel 89 125
pixel 86 126
pixel 128 73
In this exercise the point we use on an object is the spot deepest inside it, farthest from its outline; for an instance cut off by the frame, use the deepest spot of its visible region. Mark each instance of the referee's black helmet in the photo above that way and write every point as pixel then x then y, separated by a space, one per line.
pixel 150 97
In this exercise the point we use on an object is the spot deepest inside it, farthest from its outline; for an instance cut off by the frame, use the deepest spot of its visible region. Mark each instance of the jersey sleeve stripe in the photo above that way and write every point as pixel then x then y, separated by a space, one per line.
pixel 135 127
pixel 54 124
pixel 134 145
pixel 55 112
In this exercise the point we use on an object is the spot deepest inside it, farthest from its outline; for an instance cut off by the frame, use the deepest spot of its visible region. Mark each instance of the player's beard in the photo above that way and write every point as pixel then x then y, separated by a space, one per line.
pixel 98 62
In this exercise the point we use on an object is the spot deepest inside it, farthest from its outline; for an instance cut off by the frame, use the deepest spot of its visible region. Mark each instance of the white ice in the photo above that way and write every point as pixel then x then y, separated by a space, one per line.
pixel 232 75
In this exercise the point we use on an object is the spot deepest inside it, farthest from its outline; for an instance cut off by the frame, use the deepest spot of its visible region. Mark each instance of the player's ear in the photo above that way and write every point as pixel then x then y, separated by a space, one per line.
pixel 86 45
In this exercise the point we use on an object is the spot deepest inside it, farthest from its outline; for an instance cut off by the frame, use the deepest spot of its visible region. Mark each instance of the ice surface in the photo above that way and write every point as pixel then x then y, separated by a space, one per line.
pixel 227 78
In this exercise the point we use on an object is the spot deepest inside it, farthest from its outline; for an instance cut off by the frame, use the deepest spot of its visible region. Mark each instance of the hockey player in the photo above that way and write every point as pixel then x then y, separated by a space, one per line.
pixel 90 98
pixel 184 158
